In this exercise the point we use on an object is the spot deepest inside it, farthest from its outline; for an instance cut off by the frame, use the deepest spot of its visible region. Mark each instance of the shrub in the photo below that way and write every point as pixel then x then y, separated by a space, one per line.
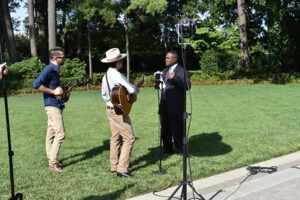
pixel 97 77
pixel 217 61
pixel 73 68
pixel 26 69
pixel 22 74
pixel 209 62
pixel 259 58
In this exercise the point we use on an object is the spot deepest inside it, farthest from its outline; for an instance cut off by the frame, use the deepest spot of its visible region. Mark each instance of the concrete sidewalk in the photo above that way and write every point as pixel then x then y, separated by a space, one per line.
pixel 240 184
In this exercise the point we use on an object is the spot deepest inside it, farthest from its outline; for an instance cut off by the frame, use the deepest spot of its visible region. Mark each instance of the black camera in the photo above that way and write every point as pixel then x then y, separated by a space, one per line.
pixel 158 79
pixel 186 27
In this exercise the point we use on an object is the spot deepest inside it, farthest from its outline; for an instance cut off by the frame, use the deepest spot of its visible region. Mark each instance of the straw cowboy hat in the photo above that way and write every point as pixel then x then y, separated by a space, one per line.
pixel 113 55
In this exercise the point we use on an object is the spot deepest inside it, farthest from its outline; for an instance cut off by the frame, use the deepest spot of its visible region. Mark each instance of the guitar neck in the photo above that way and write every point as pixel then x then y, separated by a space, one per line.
pixel 141 82
pixel 70 88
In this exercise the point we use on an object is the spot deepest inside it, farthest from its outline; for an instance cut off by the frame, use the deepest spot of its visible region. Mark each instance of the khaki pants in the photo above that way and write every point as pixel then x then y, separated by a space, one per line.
pixel 55 133
pixel 120 128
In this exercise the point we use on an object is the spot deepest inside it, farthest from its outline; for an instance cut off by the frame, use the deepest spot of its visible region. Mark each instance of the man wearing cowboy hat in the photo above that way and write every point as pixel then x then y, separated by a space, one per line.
pixel 120 124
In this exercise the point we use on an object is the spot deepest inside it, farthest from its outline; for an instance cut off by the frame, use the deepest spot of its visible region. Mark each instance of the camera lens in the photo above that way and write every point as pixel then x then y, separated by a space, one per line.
pixel 157 76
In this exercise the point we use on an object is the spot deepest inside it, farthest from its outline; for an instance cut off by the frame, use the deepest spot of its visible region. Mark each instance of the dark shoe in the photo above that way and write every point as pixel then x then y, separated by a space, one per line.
pixel 56 168
pixel 168 153
pixel 126 175
pixel 113 171
pixel 59 164
pixel 181 155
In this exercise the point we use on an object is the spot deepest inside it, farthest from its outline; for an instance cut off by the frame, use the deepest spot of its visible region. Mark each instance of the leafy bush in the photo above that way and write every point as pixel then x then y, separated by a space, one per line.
pixel 216 61
pixel 209 62
pixel 97 77
pixel 22 74
pixel 258 57
pixel 73 68
pixel 26 69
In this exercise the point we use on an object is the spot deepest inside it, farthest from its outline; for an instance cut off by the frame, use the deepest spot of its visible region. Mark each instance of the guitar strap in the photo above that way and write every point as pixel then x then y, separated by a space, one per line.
pixel 53 68
pixel 107 83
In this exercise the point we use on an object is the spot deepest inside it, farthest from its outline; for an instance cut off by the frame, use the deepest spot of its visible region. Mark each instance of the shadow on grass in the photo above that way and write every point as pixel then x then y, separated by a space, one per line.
pixel 205 144
pixel 208 144
pixel 109 196
pixel 152 157
pixel 87 154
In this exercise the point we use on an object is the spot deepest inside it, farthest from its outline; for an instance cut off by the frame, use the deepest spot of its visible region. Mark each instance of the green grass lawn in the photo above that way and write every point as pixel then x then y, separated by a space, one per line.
pixel 232 126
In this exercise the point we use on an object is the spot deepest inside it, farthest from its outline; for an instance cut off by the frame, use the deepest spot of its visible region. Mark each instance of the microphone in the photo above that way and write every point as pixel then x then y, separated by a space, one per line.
pixel 159 82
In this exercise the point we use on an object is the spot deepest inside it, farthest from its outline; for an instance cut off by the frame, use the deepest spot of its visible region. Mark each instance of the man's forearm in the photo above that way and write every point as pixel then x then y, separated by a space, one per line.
pixel 45 90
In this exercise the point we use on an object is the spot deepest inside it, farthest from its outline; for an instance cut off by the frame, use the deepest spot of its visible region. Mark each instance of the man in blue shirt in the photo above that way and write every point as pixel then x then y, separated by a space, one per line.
pixel 48 82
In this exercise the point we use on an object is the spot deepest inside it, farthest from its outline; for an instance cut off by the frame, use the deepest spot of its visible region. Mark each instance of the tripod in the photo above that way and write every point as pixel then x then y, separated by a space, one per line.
pixel 158 85
pixel 10 152
pixel 184 183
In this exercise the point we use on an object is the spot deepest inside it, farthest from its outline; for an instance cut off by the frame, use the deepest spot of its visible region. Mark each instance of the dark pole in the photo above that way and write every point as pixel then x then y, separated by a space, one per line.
pixel 185 182
pixel 157 87
pixel 184 124
pixel 10 152
pixel 186 86
pixel 1 60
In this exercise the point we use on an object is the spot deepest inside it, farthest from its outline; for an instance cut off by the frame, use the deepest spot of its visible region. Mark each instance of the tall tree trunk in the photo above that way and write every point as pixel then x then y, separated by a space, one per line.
pixel 166 31
pixel 127 40
pixel 243 32
pixel 52 23
pixel 63 24
pixel 1 59
pixel 41 10
pixel 90 52
pixel 8 31
pixel 80 27
pixel 33 49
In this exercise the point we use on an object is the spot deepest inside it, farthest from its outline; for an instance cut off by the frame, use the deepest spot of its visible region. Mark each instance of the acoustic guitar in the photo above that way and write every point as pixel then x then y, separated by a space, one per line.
pixel 66 92
pixel 122 100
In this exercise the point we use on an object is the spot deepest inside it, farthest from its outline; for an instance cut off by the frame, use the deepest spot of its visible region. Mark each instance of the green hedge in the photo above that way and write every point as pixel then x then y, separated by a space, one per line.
pixel 22 74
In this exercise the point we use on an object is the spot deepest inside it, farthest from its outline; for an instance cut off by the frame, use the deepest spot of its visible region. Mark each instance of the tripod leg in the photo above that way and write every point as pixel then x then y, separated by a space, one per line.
pixel 178 187
pixel 18 196
pixel 194 190
pixel 160 171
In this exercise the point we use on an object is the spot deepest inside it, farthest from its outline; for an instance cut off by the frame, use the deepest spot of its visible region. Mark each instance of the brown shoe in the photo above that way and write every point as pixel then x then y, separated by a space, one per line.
pixel 56 168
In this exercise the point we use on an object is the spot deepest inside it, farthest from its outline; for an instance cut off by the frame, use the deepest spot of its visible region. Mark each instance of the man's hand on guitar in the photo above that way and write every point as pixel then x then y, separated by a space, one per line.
pixel 58 91
pixel 3 67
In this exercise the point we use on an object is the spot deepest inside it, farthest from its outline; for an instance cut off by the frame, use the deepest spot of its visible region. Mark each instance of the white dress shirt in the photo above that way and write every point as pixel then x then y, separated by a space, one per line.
pixel 115 78
pixel 172 68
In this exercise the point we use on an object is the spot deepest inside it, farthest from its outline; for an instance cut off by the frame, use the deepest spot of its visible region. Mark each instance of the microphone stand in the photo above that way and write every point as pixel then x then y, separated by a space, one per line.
pixel 184 183
pixel 158 85
pixel 10 152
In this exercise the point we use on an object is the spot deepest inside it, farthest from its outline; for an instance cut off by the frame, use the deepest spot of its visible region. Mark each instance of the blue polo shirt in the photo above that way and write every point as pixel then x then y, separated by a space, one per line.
pixel 50 79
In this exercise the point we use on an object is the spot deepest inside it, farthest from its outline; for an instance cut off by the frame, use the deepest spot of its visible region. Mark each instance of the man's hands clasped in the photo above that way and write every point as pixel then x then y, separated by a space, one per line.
pixel 2 66
pixel 58 91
